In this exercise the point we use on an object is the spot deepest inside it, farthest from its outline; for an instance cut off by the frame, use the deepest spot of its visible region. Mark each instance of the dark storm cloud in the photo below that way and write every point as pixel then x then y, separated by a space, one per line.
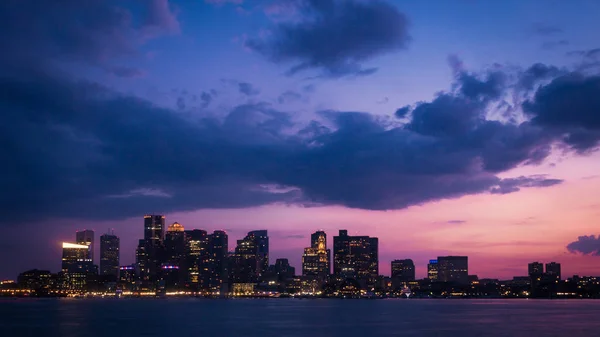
pixel 515 184
pixel 336 37
pixel 490 87
pixel 587 245
pixel 248 89
pixel 402 112
pixel 92 32
pixel 570 105
pixel 206 98
pixel 536 73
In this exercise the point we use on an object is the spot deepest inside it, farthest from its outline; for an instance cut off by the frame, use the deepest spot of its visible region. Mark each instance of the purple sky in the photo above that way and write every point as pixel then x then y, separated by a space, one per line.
pixel 442 127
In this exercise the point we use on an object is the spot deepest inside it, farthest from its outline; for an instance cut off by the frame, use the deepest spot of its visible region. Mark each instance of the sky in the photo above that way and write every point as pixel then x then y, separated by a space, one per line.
pixel 442 127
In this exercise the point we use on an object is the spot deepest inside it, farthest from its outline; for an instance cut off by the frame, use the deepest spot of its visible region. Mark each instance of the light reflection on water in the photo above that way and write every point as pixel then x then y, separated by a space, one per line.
pixel 292 317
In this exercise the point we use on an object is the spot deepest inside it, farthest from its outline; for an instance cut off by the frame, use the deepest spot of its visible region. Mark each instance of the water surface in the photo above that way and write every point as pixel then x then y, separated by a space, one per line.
pixel 293 317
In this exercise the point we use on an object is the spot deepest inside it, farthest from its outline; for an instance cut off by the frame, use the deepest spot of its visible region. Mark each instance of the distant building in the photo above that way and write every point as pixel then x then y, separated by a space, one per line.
pixel 553 271
pixel 432 270
pixel 154 235
pixel 219 245
pixel 197 263
pixel 403 270
pixel 356 257
pixel 86 237
pixel 76 266
pixel 535 269
pixel 175 243
pixel 142 262
pixel 38 281
pixel 315 260
pixel 127 277
pixel 261 239
pixel 244 261
pixel 453 269
pixel 109 255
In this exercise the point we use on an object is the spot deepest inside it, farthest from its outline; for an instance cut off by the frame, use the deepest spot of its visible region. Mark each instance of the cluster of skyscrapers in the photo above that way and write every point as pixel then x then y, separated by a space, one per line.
pixel 173 259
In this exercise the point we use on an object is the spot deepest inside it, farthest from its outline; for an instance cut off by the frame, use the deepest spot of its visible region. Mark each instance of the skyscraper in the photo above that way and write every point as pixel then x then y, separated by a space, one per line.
pixel 219 246
pixel 154 234
pixel 356 257
pixel 261 239
pixel 154 230
pixel 175 243
pixel 109 255
pixel 142 262
pixel 244 261
pixel 86 237
pixel 76 266
pixel 535 271
pixel 432 270
pixel 315 261
pixel 403 270
pixel 197 264
pixel 553 271
pixel 454 269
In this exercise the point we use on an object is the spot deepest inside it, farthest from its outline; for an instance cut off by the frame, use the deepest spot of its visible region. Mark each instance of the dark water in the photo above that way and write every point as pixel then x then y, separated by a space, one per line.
pixel 289 317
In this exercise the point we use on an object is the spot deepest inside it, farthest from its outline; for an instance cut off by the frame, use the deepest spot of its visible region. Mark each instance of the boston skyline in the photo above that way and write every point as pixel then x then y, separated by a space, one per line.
pixel 464 128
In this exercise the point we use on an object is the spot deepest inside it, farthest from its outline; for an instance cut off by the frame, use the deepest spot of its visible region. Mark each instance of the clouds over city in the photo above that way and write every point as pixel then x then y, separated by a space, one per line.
pixel 586 244
pixel 77 148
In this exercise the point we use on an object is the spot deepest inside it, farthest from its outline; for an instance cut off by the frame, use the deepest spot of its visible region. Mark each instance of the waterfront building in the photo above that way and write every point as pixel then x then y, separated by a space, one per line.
pixel 553 271
pixel 86 237
pixel 315 260
pixel 76 266
pixel 453 269
pixel 356 257
pixel 109 255
pixel 219 245
pixel 403 270
pixel 197 265
pixel 432 270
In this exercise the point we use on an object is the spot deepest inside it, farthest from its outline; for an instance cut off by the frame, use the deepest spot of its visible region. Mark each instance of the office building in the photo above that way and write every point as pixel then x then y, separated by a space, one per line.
pixel 197 273
pixel 356 257
pixel 403 270
pixel 245 262
pixel 154 235
pixel 219 245
pixel 553 271
pixel 38 281
pixel 536 272
pixel 127 277
pixel 86 237
pixel 432 270
pixel 76 266
pixel 175 244
pixel 453 269
pixel 109 255
pixel 261 239
pixel 142 262
pixel 315 260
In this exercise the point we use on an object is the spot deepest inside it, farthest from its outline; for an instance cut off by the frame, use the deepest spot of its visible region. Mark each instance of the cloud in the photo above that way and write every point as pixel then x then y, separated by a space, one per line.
pixel 125 72
pixel 549 45
pixel 545 29
pixel 456 222
pixel 221 2
pixel 569 105
pixel 403 111
pixel 73 145
pixel 206 98
pixel 586 245
pixel 335 37
pixel 289 97
pixel 248 89
pixel 94 32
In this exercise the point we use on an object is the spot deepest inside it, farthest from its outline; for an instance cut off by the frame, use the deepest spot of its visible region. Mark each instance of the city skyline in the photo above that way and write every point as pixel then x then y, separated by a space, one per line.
pixel 318 242
pixel 462 128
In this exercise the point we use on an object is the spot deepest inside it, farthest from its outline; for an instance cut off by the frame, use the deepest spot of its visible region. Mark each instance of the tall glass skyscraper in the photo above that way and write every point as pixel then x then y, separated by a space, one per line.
pixel 315 261
pixel 86 237
pixel 109 255
pixel 356 257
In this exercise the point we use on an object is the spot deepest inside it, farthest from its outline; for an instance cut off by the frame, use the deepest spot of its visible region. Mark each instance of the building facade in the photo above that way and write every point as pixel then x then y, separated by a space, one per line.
pixel 403 270
pixel 316 258
pixel 76 266
pixel 86 237
pixel 453 269
pixel 356 257
pixel 109 255
pixel 432 270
